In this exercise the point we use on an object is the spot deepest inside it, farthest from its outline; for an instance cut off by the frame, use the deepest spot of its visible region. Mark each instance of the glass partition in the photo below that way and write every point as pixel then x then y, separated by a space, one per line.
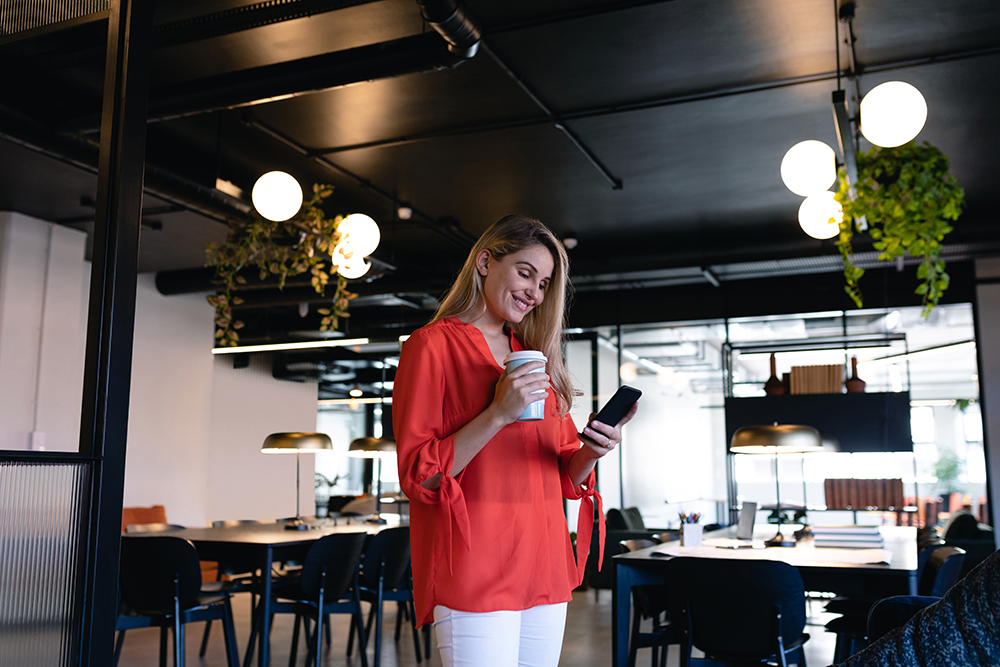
pixel 41 527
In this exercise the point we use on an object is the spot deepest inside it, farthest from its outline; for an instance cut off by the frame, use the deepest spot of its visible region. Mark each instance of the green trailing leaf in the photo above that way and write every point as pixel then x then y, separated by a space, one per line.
pixel 907 196
pixel 297 246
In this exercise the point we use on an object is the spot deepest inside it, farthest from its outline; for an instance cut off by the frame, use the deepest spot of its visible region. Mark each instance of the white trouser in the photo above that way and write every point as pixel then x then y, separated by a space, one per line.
pixel 529 638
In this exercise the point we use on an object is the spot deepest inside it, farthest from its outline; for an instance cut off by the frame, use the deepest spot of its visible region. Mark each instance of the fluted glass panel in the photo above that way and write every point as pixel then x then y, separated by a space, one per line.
pixel 21 15
pixel 41 515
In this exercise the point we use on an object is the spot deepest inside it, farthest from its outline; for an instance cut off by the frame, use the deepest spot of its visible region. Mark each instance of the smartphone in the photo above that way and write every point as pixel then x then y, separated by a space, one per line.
pixel 616 408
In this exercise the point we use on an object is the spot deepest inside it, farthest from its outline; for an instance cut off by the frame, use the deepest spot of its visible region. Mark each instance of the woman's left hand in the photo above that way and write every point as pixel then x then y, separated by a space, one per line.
pixel 605 436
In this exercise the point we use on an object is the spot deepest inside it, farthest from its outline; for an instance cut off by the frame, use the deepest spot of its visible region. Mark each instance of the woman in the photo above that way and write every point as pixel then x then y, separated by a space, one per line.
pixel 493 565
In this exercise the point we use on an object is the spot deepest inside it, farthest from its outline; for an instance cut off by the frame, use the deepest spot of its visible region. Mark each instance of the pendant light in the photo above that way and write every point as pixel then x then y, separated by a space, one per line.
pixel 809 167
pixel 277 196
pixel 892 114
pixel 820 215
pixel 360 234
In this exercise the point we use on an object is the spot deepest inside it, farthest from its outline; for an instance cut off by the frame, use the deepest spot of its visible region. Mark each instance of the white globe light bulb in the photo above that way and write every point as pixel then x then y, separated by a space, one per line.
pixel 820 216
pixel 628 372
pixel 354 269
pixel 809 167
pixel 277 196
pixel 892 114
pixel 360 234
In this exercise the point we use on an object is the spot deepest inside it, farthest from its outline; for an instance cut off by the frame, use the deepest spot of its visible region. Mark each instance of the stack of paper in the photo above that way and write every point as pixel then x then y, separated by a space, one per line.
pixel 848 537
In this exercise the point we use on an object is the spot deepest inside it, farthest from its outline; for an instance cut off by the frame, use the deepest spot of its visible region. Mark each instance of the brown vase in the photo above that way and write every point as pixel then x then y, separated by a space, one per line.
pixel 774 386
pixel 854 384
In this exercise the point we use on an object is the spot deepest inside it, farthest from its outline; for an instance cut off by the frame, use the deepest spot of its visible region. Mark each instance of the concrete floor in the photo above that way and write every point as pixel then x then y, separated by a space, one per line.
pixel 587 642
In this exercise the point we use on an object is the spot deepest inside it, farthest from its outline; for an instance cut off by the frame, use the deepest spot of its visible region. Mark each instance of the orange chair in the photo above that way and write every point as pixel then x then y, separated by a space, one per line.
pixel 134 515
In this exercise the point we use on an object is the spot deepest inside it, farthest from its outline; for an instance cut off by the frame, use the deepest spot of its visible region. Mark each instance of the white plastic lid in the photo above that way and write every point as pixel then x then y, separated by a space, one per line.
pixel 528 355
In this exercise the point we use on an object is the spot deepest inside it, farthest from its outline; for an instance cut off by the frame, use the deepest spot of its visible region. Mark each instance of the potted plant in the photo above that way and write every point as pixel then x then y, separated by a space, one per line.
pixel 904 199
pixel 308 242
pixel 947 469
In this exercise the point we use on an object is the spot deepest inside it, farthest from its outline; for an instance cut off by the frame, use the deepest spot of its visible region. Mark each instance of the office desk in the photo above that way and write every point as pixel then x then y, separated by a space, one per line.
pixel 265 543
pixel 898 578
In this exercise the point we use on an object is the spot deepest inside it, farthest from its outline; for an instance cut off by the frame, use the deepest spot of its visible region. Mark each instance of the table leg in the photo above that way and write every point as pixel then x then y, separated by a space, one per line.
pixel 621 594
pixel 627 575
pixel 265 608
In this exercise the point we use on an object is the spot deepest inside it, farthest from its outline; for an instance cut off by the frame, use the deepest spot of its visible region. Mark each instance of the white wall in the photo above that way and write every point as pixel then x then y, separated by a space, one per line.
pixel 196 424
pixel 42 305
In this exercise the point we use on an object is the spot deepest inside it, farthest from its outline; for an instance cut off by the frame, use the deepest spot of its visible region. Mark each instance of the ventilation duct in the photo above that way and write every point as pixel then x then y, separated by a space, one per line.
pixel 315 74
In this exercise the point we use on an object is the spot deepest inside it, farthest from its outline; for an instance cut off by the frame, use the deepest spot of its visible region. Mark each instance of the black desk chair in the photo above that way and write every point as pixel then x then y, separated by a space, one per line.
pixel 738 612
pixel 385 576
pixel 161 586
pixel 649 602
pixel 328 584
pixel 939 568
pixel 891 613
pixel 242 574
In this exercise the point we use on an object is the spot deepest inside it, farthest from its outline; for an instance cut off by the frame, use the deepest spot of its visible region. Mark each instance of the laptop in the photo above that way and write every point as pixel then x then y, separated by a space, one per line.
pixel 744 530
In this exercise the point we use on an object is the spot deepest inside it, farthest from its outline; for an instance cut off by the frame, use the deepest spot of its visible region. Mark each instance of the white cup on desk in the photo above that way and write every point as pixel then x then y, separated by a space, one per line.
pixel 691 534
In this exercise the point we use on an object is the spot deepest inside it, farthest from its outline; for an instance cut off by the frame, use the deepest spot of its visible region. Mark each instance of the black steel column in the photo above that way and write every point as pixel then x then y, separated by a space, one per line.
pixel 107 374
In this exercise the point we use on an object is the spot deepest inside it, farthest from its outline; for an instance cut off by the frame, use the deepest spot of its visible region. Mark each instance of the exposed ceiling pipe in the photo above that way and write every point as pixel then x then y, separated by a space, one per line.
pixel 315 74
pixel 83 153
pixel 454 23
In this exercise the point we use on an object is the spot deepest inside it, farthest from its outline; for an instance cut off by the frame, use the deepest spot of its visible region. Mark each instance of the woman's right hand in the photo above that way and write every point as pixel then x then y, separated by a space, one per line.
pixel 513 390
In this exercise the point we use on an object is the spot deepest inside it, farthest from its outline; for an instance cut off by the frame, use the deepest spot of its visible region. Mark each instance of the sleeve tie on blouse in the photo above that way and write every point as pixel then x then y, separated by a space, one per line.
pixel 585 528
pixel 453 504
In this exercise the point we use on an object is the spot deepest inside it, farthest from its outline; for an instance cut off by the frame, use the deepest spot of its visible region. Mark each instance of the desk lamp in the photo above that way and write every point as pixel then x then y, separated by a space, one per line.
pixel 281 443
pixel 374 448
pixel 776 439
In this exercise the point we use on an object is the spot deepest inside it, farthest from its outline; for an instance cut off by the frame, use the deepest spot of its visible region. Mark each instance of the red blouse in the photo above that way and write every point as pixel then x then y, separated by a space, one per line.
pixel 494 537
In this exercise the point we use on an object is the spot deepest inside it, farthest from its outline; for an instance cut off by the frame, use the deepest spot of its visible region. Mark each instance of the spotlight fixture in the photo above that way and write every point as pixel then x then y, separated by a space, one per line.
pixel 892 114
pixel 404 212
pixel 277 196
pixel 570 241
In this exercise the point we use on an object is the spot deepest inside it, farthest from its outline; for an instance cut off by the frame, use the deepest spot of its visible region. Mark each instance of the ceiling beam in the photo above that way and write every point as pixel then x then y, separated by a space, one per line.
pixel 656 102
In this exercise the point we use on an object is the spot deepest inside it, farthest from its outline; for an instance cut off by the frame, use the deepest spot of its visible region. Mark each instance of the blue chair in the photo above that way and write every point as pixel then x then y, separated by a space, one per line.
pixel 738 611
pixel 891 613
pixel 328 584
pixel 161 587
pixel 385 576
pixel 649 602
pixel 939 569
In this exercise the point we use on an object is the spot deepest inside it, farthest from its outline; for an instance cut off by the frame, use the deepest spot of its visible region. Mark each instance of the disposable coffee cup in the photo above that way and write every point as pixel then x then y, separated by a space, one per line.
pixel 691 534
pixel 535 411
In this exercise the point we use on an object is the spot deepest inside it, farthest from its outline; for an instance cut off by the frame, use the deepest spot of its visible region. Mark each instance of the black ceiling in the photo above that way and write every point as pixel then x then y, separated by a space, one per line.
pixel 689 104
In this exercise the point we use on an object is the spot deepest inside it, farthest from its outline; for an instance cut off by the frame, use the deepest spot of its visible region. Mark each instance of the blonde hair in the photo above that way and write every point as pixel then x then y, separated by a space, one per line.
pixel 542 328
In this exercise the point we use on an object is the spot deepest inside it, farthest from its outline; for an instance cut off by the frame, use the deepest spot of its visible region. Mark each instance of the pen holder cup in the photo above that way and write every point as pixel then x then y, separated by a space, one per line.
pixel 691 534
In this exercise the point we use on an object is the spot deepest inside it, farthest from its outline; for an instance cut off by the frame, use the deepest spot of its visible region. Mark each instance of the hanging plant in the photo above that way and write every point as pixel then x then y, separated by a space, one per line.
pixel 907 196
pixel 305 243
